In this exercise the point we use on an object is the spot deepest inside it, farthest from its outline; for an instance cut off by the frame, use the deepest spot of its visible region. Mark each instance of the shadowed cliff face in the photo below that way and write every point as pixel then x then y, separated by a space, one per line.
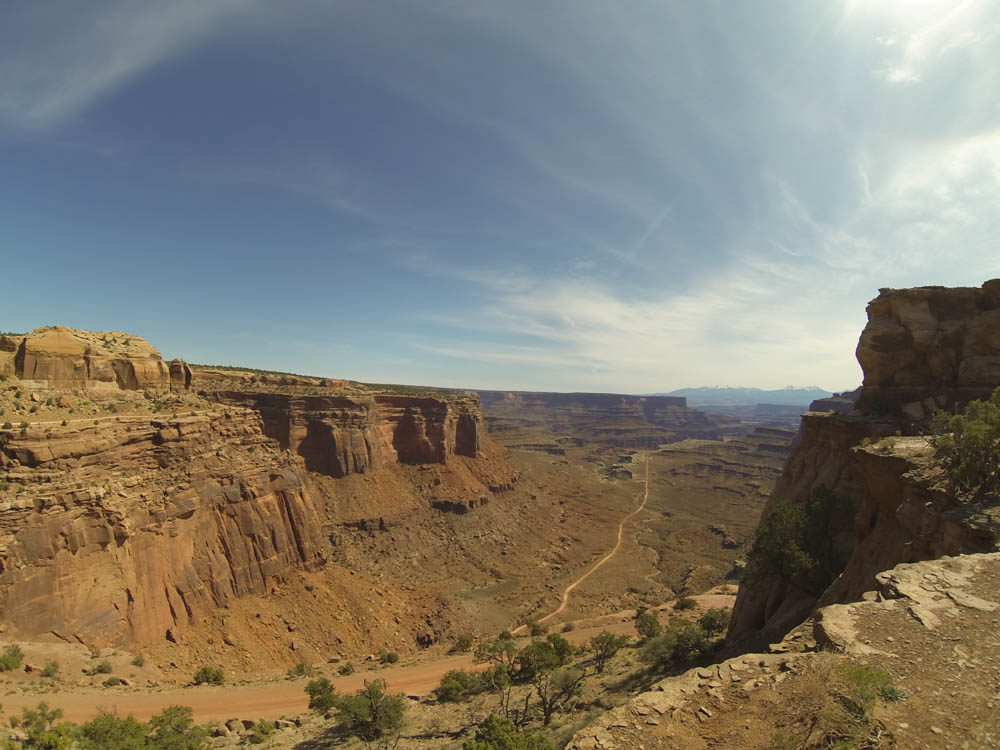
pixel 125 531
pixel 923 349
pixel 341 435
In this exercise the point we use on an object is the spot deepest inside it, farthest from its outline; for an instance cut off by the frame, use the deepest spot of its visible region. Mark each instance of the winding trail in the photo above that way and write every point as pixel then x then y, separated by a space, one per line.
pixel 593 568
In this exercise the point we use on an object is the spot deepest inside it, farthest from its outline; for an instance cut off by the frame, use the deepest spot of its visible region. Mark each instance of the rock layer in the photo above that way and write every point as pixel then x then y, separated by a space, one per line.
pixel 125 532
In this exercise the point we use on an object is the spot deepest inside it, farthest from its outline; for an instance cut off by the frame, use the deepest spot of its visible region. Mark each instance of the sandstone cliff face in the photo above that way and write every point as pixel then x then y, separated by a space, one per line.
pixel 339 435
pixel 124 531
pixel 922 349
pixel 65 358
pixel 930 347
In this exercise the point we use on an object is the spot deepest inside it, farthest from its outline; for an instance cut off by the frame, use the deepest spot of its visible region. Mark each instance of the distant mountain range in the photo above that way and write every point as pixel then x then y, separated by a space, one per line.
pixel 708 396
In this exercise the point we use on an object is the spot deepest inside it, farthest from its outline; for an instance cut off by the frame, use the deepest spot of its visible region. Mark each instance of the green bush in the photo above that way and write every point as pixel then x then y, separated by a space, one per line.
pixel 261 732
pixel 8 426
pixel 299 670
pixel 795 543
pixel 497 733
pixel 537 629
pixel 51 669
pixel 345 669
pixel 457 685
pixel 647 625
pixel 715 621
pixel 681 643
pixel 139 660
pixel 207 675
pixel 605 645
pixel 463 642
pixel 969 445
pixel 103 667
pixel 371 714
pixel 174 729
pixel 322 696
pixel 11 658
pixel 112 682
pixel 108 732
pixel 388 657
pixel 4 484
pixel 685 602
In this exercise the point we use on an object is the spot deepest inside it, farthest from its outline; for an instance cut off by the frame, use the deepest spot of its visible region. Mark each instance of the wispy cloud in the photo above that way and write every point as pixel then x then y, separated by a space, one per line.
pixel 57 60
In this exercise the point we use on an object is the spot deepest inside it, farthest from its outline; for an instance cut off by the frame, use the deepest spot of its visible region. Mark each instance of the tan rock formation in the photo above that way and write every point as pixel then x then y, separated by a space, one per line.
pixel 923 349
pixel 61 357
pixel 122 531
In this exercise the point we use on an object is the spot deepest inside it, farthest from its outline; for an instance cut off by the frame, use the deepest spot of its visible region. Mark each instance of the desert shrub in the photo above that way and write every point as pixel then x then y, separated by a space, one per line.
pixel 458 685
pixel 51 669
pixel 497 733
pixel 537 629
pixel 463 642
pixel 299 670
pixel 33 409
pixel 714 621
pixel 11 658
pixel 345 669
pixel 605 645
pixel 322 696
pixel 685 602
pixel 261 732
pixel 541 656
pixel 207 675
pixel 7 426
pixel 865 684
pixel 174 729
pixel 505 635
pixel 112 682
pixel 139 660
pixel 103 667
pixel 23 425
pixel 108 732
pixel 371 714
pixel 388 657
pixel 44 731
pixel 647 625
pixel 569 627
pixel 4 484
pixel 794 542
pixel 64 423
pixel 681 643
pixel 969 445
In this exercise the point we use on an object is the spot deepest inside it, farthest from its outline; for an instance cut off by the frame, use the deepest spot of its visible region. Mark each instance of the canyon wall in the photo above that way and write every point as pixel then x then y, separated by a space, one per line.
pixel 923 349
pixel 339 435
pixel 130 531
pixel 615 420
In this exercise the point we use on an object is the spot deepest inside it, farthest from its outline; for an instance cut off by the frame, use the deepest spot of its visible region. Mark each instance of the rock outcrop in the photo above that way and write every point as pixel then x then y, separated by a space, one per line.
pixel 131 531
pixel 923 349
pixel 346 434
pixel 65 358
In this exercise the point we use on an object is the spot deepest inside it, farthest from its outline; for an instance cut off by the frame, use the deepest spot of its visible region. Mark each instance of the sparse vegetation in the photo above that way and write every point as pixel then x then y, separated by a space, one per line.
pixel 208 675
pixel 112 682
pixel 498 733
pixel 969 445
pixel 103 667
pixel 261 732
pixel 345 669
pixel 685 602
pixel 463 642
pixel 537 629
pixel 51 669
pixel 11 658
pixel 458 685
pixel 372 715
pixel 299 670
pixel 139 660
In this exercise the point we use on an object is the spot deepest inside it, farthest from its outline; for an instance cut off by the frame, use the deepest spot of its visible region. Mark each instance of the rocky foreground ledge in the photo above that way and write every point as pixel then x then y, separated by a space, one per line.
pixel 934 626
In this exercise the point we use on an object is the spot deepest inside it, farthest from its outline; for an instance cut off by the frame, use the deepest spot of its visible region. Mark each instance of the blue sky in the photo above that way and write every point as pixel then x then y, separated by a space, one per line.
pixel 631 196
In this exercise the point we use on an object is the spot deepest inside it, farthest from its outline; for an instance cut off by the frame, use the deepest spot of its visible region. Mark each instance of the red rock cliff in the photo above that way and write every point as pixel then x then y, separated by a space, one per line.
pixel 120 532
